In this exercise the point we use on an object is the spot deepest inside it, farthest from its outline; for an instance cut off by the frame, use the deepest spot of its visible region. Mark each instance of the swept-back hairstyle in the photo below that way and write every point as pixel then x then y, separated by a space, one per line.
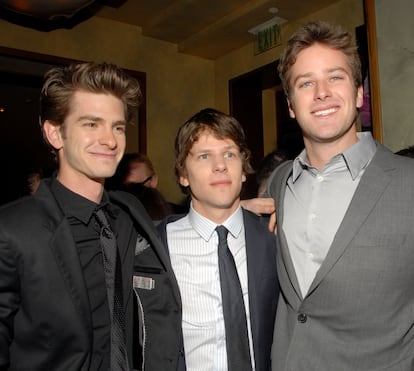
pixel 61 83
pixel 222 126
pixel 318 32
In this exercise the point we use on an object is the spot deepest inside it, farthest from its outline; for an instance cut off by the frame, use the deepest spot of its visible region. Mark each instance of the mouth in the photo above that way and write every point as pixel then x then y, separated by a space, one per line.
pixel 325 112
pixel 105 156
pixel 221 183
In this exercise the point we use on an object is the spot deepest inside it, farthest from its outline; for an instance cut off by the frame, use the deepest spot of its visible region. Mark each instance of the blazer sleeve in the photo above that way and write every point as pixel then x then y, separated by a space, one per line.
pixel 9 295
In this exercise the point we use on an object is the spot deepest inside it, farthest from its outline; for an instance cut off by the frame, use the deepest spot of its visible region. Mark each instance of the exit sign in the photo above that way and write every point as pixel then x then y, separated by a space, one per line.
pixel 268 38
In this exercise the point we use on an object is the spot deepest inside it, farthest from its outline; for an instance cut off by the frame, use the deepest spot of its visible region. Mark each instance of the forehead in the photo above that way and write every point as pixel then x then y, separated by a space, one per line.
pixel 319 58
pixel 109 104
pixel 138 167
pixel 208 138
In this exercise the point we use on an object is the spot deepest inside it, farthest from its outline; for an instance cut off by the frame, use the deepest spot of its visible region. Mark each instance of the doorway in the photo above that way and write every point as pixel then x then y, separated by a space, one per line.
pixel 252 96
pixel 23 150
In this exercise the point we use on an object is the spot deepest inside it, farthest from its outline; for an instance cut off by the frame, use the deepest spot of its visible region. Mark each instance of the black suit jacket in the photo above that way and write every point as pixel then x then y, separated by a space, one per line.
pixel 263 284
pixel 45 320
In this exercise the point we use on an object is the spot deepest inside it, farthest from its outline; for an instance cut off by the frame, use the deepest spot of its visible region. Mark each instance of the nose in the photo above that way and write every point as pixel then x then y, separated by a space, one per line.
pixel 220 164
pixel 108 138
pixel 322 90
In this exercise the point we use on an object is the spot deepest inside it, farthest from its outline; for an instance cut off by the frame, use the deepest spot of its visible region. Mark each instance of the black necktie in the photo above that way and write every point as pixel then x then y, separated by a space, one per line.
pixel 237 341
pixel 113 279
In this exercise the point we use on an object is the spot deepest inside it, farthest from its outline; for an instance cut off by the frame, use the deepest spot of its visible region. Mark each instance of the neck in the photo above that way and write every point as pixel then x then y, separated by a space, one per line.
pixel 320 153
pixel 89 188
pixel 215 214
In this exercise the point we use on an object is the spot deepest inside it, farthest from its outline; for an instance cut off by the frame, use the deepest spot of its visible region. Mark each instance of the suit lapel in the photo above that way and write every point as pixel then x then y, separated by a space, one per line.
pixel 63 248
pixel 253 256
pixel 67 259
pixel 136 210
pixel 286 270
pixel 372 185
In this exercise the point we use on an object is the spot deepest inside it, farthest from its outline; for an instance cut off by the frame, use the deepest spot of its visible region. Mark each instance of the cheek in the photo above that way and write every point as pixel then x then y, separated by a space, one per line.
pixel 121 140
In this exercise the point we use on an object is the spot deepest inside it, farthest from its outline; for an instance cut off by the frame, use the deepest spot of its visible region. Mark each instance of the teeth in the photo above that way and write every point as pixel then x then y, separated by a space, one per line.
pixel 325 112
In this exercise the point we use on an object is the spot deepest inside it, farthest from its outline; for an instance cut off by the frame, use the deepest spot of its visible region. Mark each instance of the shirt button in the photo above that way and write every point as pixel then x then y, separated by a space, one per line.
pixel 319 178
pixel 302 318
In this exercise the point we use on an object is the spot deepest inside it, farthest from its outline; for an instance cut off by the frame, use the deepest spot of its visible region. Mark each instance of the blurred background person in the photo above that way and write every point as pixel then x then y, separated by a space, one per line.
pixel 136 174
pixel 407 152
pixel 270 162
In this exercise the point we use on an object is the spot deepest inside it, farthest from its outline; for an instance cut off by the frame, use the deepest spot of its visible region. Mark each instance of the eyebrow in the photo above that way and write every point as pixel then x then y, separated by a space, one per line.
pixel 90 118
pixel 328 70
pixel 226 148
pixel 97 119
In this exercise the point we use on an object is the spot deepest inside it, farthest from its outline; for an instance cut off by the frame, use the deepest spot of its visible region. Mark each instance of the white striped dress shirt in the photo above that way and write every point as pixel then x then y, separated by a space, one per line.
pixel 193 243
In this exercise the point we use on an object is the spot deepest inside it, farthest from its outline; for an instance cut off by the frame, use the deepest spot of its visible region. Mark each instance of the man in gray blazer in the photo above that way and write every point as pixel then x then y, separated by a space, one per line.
pixel 345 222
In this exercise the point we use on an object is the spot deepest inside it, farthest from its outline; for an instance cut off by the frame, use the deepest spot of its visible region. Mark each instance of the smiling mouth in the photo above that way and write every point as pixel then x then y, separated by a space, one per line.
pixel 325 112
pixel 109 156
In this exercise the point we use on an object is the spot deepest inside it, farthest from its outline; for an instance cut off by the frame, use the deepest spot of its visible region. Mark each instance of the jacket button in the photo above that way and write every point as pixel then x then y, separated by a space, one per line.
pixel 302 318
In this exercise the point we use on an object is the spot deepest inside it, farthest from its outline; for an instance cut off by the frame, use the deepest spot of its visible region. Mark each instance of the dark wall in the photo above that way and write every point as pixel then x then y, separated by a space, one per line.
pixel 23 149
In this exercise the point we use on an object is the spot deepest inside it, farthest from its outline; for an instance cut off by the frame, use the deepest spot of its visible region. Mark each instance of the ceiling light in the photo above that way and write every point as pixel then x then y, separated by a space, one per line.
pixel 275 20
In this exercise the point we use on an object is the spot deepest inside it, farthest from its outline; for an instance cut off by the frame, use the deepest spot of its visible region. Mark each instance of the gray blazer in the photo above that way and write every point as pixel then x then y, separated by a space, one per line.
pixel 359 311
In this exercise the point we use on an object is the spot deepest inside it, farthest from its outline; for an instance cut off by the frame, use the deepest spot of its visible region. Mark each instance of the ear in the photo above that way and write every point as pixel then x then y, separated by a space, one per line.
pixel 52 134
pixel 291 111
pixel 154 181
pixel 360 97
pixel 184 181
pixel 243 178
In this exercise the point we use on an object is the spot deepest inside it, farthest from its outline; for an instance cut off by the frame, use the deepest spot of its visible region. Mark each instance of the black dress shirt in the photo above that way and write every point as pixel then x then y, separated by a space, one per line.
pixel 85 231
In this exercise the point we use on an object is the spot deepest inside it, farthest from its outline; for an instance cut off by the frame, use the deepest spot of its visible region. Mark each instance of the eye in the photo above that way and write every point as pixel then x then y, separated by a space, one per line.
pixel 90 124
pixel 203 156
pixel 121 129
pixel 305 84
pixel 336 78
pixel 229 155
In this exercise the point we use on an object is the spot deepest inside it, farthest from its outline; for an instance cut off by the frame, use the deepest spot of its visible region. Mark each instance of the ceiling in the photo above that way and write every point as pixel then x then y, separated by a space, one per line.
pixel 205 28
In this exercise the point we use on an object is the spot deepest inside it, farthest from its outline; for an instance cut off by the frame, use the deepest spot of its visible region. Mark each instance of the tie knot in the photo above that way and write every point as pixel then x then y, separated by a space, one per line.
pixel 103 223
pixel 222 232
pixel 101 218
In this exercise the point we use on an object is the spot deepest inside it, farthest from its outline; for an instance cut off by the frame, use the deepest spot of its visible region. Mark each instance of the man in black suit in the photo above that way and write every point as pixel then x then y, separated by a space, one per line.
pixel 54 312
pixel 212 160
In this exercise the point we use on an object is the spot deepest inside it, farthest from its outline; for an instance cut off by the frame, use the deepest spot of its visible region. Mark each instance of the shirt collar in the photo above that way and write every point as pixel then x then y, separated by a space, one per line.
pixel 74 205
pixel 356 157
pixel 206 228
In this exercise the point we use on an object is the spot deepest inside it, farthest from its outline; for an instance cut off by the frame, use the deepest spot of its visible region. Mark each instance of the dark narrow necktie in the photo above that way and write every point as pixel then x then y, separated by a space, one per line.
pixel 113 279
pixel 237 340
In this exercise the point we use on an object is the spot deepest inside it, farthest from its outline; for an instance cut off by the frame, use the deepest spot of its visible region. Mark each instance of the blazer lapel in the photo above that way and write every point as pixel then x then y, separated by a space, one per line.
pixel 138 213
pixel 63 248
pixel 253 256
pixel 67 259
pixel 286 270
pixel 372 185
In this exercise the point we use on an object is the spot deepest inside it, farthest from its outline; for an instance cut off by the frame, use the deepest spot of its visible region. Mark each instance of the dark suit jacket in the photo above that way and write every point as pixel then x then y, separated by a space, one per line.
pixel 45 321
pixel 263 284
pixel 359 311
